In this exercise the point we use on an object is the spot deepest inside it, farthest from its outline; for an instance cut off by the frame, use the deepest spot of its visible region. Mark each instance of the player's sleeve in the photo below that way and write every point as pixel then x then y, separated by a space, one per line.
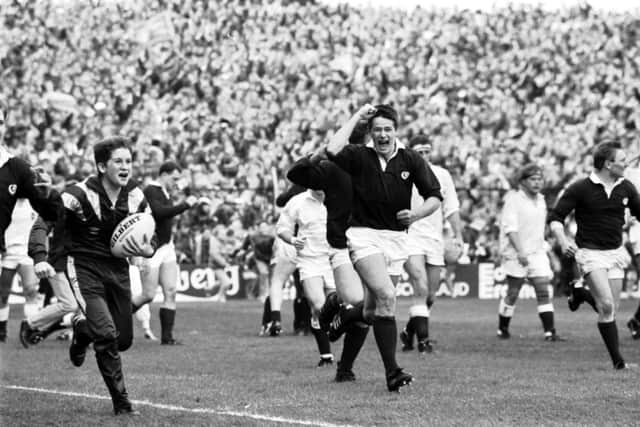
pixel 47 205
pixel 509 219
pixel 38 248
pixel 349 158
pixel 423 177
pixel 309 173
pixel 634 201
pixel 158 205
pixel 288 217
pixel 285 196
pixel 566 203
pixel 450 202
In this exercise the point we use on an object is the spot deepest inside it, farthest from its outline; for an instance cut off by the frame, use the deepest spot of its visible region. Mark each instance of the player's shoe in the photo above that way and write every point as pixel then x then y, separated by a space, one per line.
pixel 26 334
pixel 77 352
pixel 503 334
pixel 577 295
pixel 344 375
pixel 148 334
pixel 128 411
pixel 425 346
pixel 328 311
pixel 263 330
pixel 275 329
pixel 170 341
pixel 625 366
pixel 634 328
pixel 407 340
pixel 326 360
pixel 553 337
pixel 398 378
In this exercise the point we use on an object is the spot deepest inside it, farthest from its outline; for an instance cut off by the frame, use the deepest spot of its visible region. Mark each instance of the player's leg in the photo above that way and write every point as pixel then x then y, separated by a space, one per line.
pixel 6 280
pixel 301 309
pixel 418 312
pixel 433 282
pixel 224 283
pixel 282 270
pixel 544 297
pixel 49 319
pixel 373 271
pixel 507 305
pixel 314 291
pixel 168 277
pixel 150 280
pixel 350 291
pixel 263 279
pixel 634 323
pixel 603 291
pixel 30 285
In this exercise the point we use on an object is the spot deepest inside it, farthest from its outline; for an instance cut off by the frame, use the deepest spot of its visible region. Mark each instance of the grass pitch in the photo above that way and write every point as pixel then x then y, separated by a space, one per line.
pixel 225 375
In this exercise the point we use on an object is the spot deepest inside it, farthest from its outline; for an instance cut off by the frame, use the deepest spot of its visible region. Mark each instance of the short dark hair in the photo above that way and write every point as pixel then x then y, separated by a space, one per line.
pixel 605 151
pixel 420 140
pixel 386 111
pixel 529 170
pixel 102 150
pixel 168 167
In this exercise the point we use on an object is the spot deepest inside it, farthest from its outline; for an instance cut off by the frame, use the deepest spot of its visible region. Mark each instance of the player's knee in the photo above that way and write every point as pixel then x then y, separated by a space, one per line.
pixel 368 315
pixel 606 308
pixel 124 343
pixel 105 344
pixel 543 297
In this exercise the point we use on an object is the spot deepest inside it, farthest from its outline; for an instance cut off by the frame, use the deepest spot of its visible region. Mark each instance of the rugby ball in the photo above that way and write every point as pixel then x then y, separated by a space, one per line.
pixel 452 251
pixel 134 229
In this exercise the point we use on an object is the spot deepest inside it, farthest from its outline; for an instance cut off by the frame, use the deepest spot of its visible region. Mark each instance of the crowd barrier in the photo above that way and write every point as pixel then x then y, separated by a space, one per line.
pixel 199 283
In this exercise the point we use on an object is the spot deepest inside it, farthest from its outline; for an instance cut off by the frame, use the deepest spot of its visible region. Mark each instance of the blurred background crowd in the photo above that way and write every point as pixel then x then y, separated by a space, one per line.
pixel 235 90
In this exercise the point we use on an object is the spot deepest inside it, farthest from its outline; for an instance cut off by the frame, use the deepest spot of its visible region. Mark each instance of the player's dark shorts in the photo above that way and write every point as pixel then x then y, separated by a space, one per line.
pixel 105 287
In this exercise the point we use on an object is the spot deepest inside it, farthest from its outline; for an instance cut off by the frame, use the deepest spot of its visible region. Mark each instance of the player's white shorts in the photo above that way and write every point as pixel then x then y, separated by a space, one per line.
pixel 634 237
pixel 316 266
pixel 283 252
pixel 539 266
pixel 165 253
pixel 432 249
pixel 13 261
pixel 339 257
pixel 364 242
pixel 613 260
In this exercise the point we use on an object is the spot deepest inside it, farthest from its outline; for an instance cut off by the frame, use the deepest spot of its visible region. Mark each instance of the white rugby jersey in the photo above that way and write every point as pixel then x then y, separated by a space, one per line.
pixel 432 225
pixel 527 217
pixel 16 237
pixel 310 215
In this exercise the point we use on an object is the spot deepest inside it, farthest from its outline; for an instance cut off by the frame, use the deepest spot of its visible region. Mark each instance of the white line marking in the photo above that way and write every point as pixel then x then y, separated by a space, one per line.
pixel 182 408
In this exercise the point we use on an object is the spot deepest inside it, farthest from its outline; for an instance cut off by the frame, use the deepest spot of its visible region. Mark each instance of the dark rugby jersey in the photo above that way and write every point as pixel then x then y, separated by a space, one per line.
pixel 163 211
pixel 599 217
pixel 17 181
pixel 91 219
pixel 318 173
pixel 378 195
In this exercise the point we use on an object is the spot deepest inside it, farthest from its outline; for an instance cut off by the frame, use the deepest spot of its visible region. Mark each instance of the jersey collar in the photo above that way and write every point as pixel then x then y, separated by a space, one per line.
pixel 4 156
pixel 383 162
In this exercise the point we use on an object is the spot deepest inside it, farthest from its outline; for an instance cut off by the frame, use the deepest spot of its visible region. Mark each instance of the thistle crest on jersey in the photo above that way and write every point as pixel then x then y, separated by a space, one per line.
pixel 13 188
pixel 404 175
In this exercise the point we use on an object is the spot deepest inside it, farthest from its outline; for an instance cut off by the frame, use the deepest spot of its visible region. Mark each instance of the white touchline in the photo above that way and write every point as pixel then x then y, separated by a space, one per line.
pixel 182 408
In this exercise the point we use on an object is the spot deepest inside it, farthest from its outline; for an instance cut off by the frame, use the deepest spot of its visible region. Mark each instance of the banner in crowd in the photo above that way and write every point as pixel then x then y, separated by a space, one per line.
pixel 199 283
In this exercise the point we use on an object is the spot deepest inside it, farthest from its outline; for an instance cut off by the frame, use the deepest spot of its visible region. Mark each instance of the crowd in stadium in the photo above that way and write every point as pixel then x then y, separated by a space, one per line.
pixel 236 91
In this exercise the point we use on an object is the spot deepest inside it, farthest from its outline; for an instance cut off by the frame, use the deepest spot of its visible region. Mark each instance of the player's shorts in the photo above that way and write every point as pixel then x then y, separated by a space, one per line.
pixel 12 262
pixel 339 257
pixel 613 260
pixel 539 266
pixel 431 249
pixel 634 237
pixel 165 253
pixel 283 252
pixel 316 266
pixel 364 242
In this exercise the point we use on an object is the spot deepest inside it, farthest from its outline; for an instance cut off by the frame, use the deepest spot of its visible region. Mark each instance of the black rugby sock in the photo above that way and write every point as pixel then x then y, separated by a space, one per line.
pixel 609 332
pixel 386 334
pixel 353 341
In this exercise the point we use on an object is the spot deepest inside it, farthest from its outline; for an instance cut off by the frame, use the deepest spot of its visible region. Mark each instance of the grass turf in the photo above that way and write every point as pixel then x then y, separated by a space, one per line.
pixel 225 374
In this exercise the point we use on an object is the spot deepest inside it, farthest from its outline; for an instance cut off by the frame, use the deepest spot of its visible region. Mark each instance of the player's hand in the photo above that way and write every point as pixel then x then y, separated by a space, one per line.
pixel 204 201
pixel 191 200
pixel 523 260
pixel 406 217
pixel 133 248
pixel 44 270
pixel 366 112
pixel 569 249
pixel 299 243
